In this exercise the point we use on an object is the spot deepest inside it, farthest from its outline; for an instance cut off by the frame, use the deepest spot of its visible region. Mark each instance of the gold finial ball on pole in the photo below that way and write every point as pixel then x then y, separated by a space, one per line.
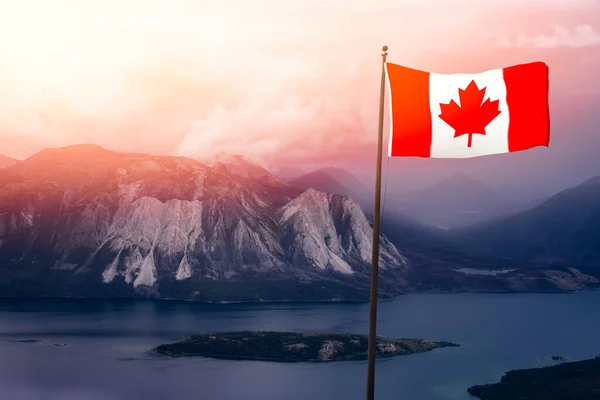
pixel 384 48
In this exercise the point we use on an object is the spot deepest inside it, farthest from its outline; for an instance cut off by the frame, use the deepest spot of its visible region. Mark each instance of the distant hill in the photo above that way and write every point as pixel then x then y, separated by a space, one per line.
pixel 350 181
pixel 336 181
pixel 563 231
pixel 574 380
pixel 456 202
pixel 287 173
pixel 320 180
pixel 7 161
pixel 240 166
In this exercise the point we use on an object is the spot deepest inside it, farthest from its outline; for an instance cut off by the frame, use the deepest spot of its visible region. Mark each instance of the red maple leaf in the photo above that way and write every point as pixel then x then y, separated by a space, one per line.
pixel 473 115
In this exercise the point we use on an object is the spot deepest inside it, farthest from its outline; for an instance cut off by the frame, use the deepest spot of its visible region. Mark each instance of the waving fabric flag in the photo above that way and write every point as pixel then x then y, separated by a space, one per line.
pixel 467 115
pixel 455 116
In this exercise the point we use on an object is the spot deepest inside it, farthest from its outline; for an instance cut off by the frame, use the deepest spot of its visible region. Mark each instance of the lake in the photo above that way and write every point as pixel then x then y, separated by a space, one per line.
pixel 107 341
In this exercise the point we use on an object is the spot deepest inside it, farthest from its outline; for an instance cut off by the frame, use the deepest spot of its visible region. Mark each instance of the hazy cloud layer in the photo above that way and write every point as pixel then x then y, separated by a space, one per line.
pixel 268 79
pixel 579 36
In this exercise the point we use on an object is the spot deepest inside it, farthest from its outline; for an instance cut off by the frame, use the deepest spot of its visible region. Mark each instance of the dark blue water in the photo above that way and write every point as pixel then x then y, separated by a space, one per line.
pixel 106 343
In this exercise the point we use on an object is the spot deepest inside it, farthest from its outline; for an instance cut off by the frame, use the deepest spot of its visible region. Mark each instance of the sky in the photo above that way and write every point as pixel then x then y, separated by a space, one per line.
pixel 292 83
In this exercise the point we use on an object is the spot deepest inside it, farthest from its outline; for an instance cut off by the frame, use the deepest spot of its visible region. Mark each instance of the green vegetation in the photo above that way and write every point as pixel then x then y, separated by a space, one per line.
pixel 569 381
pixel 292 347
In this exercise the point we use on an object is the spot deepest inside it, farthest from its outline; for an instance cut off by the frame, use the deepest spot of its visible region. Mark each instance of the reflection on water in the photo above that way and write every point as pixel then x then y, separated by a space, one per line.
pixel 489 272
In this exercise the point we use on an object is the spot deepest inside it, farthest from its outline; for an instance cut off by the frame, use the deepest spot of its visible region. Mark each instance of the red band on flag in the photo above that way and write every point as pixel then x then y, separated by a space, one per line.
pixel 527 98
pixel 410 117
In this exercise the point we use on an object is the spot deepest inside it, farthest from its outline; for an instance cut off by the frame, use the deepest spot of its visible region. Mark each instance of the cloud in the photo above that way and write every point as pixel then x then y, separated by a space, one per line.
pixel 573 4
pixel 579 36
pixel 270 78
pixel 295 129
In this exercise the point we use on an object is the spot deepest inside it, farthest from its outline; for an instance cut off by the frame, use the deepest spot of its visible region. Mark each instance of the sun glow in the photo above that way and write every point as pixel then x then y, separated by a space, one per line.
pixel 157 75
pixel 79 53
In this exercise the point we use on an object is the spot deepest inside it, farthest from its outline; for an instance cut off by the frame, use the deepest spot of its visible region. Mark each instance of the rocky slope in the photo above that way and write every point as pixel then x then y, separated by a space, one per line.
pixel 84 221
pixel 478 259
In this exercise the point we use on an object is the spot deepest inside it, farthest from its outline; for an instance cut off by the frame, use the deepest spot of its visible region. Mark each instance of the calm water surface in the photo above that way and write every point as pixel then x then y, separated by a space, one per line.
pixel 105 356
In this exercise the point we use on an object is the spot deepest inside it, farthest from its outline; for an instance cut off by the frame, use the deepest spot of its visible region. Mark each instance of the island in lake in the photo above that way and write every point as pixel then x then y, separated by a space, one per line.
pixel 292 347
pixel 568 381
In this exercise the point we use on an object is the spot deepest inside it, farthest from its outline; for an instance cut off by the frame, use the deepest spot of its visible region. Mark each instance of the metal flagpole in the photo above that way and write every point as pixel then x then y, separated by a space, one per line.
pixel 375 258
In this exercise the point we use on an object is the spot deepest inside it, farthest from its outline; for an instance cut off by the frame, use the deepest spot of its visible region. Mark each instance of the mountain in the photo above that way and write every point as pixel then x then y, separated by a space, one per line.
pixel 240 166
pixel 337 181
pixel 85 221
pixel 320 180
pixel 348 180
pixel 82 221
pixel 405 232
pixel 563 232
pixel 456 202
pixel 287 173
pixel 7 161
pixel 440 262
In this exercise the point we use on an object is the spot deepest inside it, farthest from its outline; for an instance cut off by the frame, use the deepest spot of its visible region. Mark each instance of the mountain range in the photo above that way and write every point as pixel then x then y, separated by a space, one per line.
pixel 458 201
pixel 88 222
pixel 337 181
pixel 454 202
pixel 492 250
pixel 563 232
pixel 85 221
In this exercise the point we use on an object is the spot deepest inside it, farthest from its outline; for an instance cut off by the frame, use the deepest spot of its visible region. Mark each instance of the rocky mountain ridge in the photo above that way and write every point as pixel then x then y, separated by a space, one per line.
pixel 83 221
pixel 93 222
pixel 448 261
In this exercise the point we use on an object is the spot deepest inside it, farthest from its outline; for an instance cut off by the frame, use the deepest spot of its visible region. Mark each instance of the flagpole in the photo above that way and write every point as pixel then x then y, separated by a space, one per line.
pixel 375 257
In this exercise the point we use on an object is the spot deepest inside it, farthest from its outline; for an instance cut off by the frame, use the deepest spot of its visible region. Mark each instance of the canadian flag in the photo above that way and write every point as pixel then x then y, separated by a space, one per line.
pixel 467 115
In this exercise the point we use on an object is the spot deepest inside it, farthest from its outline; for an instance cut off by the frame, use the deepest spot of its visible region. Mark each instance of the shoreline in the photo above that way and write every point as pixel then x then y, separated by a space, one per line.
pixel 307 301
pixel 567 380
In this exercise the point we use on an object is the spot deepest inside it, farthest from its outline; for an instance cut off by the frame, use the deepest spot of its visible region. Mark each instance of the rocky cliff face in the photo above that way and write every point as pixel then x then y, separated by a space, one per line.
pixel 84 221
